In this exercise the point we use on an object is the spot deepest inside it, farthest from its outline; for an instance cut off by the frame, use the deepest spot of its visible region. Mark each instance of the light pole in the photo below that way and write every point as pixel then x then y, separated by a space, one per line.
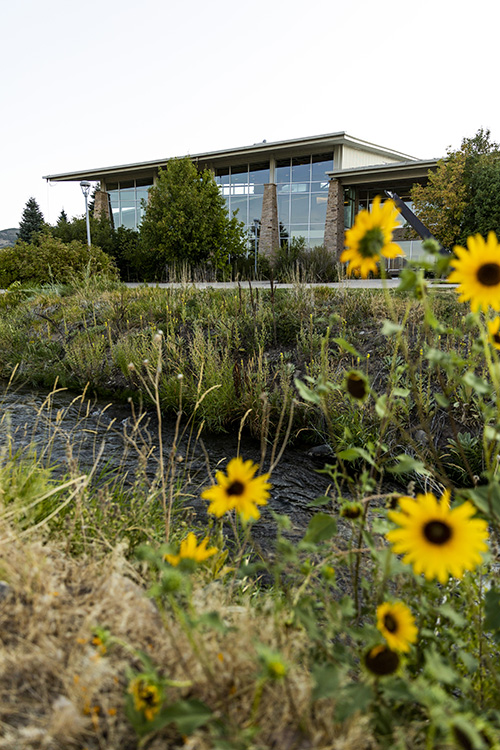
pixel 85 186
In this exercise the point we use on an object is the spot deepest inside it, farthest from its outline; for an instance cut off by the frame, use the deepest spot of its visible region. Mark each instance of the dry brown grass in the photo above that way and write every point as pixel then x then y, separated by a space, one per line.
pixel 57 691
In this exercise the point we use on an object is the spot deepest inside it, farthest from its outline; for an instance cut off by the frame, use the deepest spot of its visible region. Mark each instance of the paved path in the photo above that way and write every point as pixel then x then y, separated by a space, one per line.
pixel 346 284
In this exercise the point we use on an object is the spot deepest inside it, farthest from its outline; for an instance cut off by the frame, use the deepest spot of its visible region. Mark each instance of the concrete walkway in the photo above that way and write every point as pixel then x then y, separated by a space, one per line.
pixel 345 284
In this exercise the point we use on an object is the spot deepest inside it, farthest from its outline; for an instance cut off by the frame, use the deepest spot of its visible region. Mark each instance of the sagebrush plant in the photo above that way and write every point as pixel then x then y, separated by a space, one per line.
pixel 378 628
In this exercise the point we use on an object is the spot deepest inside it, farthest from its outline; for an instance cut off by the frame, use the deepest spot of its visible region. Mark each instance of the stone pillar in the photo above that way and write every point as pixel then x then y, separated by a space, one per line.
pixel 101 204
pixel 334 223
pixel 269 240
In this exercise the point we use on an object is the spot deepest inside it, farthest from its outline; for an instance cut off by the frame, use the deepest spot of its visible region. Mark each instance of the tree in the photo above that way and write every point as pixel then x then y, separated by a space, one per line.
pixel 186 218
pixel 462 195
pixel 31 221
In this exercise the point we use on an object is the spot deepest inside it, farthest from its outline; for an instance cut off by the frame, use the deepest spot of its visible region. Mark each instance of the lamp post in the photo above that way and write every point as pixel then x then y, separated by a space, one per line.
pixel 85 186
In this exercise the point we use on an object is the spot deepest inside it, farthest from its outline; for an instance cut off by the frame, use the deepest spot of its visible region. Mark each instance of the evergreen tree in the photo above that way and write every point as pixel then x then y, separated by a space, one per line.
pixel 31 222
pixel 186 218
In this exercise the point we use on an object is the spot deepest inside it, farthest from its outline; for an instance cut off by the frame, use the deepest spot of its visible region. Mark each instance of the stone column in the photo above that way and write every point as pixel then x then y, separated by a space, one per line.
pixel 101 204
pixel 269 240
pixel 334 223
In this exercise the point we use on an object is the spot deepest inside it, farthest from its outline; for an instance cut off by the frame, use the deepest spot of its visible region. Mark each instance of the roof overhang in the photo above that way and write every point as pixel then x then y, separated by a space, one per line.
pixel 380 173
pixel 255 153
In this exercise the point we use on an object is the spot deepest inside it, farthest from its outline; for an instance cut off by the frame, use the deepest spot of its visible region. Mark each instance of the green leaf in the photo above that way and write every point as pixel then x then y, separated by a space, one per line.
pixel 486 498
pixel 442 400
pixel 389 328
pixel 381 406
pixel 307 393
pixel 432 321
pixel 187 715
pixel 212 620
pixel 320 528
pixel 456 618
pixel 492 610
pixel 407 280
pixel 401 392
pixel 346 346
pixel 437 668
pixel 319 502
pixel 351 699
pixel 351 454
pixel 468 660
pixel 326 681
pixel 407 464
pixel 478 384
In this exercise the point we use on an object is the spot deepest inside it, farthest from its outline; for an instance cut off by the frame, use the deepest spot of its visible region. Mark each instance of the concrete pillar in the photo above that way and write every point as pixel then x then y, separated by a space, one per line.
pixel 101 204
pixel 334 223
pixel 269 240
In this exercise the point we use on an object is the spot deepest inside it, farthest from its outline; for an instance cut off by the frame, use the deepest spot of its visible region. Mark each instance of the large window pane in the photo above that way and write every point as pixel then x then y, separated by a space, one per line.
pixel 255 208
pixel 241 205
pixel 239 175
pixel 222 176
pixel 283 208
pixel 127 195
pixel 300 209
pixel 321 163
pixel 283 172
pixel 318 207
pixel 128 218
pixel 301 169
pixel 259 174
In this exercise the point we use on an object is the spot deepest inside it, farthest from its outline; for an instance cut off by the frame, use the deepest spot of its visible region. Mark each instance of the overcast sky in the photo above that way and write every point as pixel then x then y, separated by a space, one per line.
pixel 104 82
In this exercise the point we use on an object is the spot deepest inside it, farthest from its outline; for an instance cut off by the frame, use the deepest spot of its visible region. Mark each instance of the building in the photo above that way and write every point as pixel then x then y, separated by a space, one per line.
pixel 305 187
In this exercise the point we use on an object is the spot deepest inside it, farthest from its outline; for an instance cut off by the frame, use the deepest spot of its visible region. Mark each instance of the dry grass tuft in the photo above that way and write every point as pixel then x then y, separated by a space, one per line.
pixel 60 690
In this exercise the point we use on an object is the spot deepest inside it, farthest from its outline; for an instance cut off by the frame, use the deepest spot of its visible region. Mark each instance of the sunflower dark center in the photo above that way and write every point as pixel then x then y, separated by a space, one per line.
pixel 390 623
pixel 371 243
pixel 496 337
pixel 437 532
pixel 236 488
pixel 381 661
pixel 489 274
pixel 356 386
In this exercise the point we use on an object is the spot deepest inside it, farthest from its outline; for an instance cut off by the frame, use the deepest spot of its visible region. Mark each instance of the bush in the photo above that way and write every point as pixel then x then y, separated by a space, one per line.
pixel 52 260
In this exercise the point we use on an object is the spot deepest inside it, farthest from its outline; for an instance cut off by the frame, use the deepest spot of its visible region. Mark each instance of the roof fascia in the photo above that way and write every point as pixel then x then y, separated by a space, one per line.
pixel 296 145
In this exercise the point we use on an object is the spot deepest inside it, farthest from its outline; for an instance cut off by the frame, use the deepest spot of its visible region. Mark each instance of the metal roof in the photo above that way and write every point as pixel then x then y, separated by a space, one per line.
pixel 312 144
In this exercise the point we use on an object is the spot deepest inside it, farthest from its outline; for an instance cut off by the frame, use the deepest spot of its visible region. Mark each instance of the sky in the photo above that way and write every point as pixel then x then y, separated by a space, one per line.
pixel 105 82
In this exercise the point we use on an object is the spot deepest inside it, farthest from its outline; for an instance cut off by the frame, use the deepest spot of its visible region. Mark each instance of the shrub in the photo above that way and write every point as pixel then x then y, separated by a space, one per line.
pixel 51 260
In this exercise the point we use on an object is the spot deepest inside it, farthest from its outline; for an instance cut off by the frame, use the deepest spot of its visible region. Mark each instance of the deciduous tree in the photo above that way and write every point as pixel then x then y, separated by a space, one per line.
pixel 462 195
pixel 186 218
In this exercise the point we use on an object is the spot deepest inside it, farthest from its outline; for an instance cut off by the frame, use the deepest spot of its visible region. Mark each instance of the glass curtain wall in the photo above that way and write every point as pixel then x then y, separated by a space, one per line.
pixel 302 188
pixel 126 201
pixel 243 188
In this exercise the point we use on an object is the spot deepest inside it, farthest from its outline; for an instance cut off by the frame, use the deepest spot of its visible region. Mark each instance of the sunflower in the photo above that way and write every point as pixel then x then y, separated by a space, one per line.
pixel 356 385
pixel 371 237
pixel 147 697
pixel 494 332
pixel 239 489
pixel 397 625
pixel 477 272
pixel 381 661
pixel 436 540
pixel 191 550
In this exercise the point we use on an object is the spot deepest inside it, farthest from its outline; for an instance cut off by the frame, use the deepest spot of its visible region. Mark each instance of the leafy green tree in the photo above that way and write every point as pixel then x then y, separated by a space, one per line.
pixel 462 195
pixel 186 219
pixel 31 221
